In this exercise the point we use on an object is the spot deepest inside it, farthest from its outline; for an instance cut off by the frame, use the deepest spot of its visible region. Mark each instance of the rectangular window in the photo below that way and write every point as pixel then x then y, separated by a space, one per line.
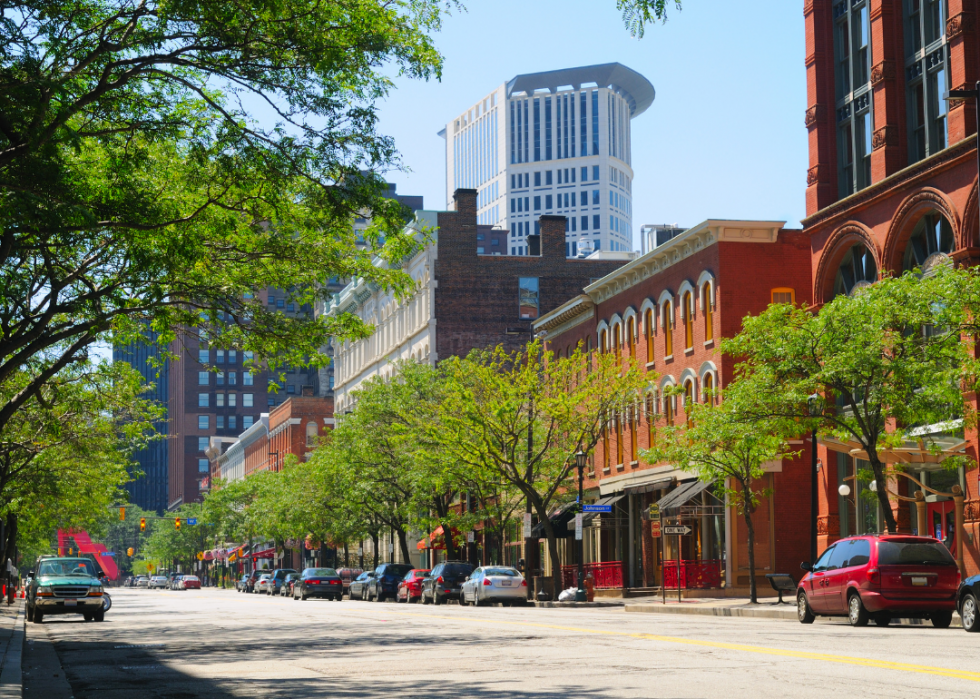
pixel 202 356
pixel 537 203
pixel 203 378
pixel 573 220
pixel 272 300
pixel 232 400
pixel 479 251
pixel 547 202
pixel 583 198
pixel 537 129
pixel 526 202
pixel 564 128
pixel 280 303
pixel 219 357
pixel 528 298
pixel 846 157
pixel 595 197
pixel 202 443
pixel 585 223
pixel 596 223
pixel 247 400
pixel 513 205
pixel 585 173
pixel 219 422
pixel 219 400
pixel 595 172
pixel 231 422
pixel 247 378
pixel 202 422
pixel 203 400
pixel 783 296
pixel 247 421
pixel 220 378
pixel 547 128
pixel 232 356
pixel 202 466
pixel 247 356
pixel 595 126
pixel 537 179
pixel 583 129
pixel 547 177
pixel 572 173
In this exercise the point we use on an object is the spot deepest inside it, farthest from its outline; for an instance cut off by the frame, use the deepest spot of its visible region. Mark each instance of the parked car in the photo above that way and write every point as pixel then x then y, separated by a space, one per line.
pixel 348 575
pixel 286 589
pixel 189 582
pixel 262 584
pixel 410 587
pixel 358 586
pixel 490 584
pixel 278 576
pixel 142 581
pixel 157 582
pixel 881 577
pixel 318 582
pixel 171 581
pixel 241 585
pixel 65 586
pixel 252 579
pixel 445 581
pixel 384 585
pixel 968 603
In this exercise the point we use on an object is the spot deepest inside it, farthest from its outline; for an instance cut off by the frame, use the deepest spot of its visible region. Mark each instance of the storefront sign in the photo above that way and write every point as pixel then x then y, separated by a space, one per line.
pixel 655 529
pixel 527 525
pixel 654 512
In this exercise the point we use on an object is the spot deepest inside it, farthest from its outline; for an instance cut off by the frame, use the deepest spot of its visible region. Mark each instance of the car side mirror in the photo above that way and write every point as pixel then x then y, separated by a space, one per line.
pixel 807 566
pixel 31 573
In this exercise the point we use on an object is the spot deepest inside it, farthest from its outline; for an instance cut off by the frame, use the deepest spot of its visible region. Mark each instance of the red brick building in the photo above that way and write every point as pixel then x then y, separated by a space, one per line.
pixel 668 309
pixel 892 185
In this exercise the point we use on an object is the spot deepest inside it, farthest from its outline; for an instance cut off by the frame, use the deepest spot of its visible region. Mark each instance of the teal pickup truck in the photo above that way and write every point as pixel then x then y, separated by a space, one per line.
pixel 65 586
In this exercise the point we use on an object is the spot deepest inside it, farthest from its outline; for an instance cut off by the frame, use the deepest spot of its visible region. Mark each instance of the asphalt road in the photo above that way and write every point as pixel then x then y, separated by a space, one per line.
pixel 224 644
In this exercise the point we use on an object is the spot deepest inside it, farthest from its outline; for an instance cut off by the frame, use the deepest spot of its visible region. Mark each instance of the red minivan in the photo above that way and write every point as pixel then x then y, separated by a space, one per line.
pixel 881 577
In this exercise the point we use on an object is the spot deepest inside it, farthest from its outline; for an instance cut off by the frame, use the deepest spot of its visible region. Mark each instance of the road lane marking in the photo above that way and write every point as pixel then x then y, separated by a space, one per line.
pixel 763 650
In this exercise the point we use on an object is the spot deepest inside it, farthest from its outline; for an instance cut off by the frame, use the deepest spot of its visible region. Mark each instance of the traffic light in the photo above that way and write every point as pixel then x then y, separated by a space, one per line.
pixel 142 524
pixel 122 514
pixel 61 551
pixel 69 550
pixel 129 552
pixel 177 523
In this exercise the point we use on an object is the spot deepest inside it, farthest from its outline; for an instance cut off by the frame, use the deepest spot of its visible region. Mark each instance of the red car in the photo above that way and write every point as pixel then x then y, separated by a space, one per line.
pixel 189 582
pixel 410 587
pixel 881 577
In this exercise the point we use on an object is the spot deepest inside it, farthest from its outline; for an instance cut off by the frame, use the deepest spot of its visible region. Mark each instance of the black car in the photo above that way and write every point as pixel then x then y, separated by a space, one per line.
pixel 968 603
pixel 318 582
pixel 445 581
pixel 384 585
pixel 358 585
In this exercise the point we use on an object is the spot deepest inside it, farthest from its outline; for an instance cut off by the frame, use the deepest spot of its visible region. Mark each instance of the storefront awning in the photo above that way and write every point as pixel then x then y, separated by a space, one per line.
pixel 915 452
pixel 682 494
pixel 559 521
pixel 437 540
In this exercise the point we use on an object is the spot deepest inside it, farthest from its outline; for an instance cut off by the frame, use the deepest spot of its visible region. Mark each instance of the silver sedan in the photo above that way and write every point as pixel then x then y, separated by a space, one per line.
pixel 490 584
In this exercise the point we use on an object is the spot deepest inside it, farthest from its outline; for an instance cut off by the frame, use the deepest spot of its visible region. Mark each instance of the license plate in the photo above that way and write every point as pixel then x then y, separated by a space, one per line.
pixel 505 583
pixel 71 602
pixel 920 582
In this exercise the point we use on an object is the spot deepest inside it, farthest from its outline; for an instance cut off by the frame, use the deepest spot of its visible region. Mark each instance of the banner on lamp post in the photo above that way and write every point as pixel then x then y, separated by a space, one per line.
pixel 527 525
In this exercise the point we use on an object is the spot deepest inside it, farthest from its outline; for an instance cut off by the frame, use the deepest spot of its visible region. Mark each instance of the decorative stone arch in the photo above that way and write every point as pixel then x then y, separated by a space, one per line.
pixel 630 312
pixel 666 301
pixel 968 231
pixel 905 219
pixel 603 325
pixel 690 375
pixel 709 279
pixel 666 382
pixel 708 368
pixel 837 245
pixel 686 288
pixel 648 305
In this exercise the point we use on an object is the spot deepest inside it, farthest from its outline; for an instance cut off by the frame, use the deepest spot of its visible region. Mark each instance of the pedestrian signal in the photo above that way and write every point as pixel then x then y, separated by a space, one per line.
pixel 69 550
pixel 122 514
pixel 177 523
pixel 61 551
pixel 142 524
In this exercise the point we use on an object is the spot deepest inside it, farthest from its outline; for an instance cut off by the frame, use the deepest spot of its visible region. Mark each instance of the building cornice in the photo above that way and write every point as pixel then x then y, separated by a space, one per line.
pixel 566 316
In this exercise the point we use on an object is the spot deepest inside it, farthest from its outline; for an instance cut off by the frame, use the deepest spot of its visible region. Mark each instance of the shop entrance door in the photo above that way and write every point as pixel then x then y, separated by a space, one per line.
pixel 942 522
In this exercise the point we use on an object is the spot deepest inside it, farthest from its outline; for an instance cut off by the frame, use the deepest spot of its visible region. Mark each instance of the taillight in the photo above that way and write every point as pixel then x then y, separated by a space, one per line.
pixel 874 575
pixel 439 579
pixel 487 583
pixel 523 583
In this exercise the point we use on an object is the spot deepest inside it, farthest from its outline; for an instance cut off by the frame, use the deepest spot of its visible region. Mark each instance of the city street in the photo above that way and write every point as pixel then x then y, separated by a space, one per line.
pixel 224 644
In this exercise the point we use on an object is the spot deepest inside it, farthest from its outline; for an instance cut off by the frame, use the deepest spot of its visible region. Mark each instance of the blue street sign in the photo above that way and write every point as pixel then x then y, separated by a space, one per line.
pixel 192 520
pixel 107 553
pixel 600 509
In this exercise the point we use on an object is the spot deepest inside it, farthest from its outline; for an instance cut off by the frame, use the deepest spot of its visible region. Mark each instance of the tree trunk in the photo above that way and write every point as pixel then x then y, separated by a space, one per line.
pixel 886 507
pixel 346 555
pixel 747 512
pixel 447 537
pixel 374 540
pixel 403 543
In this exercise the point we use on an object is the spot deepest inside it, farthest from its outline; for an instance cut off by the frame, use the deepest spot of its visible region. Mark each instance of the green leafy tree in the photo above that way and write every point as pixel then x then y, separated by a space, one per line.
pixel 520 418
pixel 639 13
pixel 886 359
pixel 725 449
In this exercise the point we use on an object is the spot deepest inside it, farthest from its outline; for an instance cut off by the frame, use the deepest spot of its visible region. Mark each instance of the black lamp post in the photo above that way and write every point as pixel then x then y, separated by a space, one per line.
pixel 580 596
pixel 814 405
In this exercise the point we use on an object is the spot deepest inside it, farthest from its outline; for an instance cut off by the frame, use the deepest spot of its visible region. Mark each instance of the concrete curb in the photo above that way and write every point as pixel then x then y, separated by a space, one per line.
pixel 11 681
pixel 757 613
pixel 612 605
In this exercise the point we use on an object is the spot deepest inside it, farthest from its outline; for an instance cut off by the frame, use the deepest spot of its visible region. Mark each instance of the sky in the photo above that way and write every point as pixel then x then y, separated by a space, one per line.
pixel 724 137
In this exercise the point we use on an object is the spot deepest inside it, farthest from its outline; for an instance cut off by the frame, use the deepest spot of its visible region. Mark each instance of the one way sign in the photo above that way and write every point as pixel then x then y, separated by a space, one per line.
pixel 677 530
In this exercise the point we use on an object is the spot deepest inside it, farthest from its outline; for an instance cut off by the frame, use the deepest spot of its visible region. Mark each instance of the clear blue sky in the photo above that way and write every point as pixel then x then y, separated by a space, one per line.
pixel 724 138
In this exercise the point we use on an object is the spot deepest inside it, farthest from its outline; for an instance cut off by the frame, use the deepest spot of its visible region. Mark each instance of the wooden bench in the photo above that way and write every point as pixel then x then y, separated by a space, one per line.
pixel 781 582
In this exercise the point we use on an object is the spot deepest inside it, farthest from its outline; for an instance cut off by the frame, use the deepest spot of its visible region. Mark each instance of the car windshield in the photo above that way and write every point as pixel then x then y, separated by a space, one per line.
pixel 914 553
pixel 76 566
pixel 506 572
pixel 320 573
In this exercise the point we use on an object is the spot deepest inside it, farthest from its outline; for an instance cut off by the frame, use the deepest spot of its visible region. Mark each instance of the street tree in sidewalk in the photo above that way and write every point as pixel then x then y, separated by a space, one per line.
pixel 520 417
pixel 725 449
pixel 886 359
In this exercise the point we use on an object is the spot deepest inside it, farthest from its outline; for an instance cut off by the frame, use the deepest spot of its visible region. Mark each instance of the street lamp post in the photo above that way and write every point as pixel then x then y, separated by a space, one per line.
pixel 814 408
pixel 580 593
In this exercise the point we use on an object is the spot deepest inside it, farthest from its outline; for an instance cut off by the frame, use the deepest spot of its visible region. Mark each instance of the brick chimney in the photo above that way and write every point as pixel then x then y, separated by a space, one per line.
pixel 553 236
pixel 464 202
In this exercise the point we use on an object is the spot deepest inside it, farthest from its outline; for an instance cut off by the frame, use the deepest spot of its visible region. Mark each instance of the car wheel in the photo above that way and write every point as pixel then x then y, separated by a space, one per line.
pixel 970 614
pixel 379 596
pixel 424 599
pixel 99 615
pixel 462 599
pixel 856 613
pixel 883 619
pixel 803 611
pixel 477 602
pixel 38 616
pixel 436 600
pixel 302 596
pixel 87 617
pixel 30 614
pixel 942 620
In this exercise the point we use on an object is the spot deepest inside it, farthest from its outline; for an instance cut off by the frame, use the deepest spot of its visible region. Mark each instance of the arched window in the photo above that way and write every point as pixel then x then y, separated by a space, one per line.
pixel 707 388
pixel 688 400
pixel 686 311
pixel 668 329
pixel 669 409
pixel 605 442
pixel 617 330
pixel 631 337
pixel 931 241
pixel 709 328
pixel 311 434
pixel 648 325
pixel 618 417
pixel 856 270
pixel 603 341
pixel 651 411
pixel 634 409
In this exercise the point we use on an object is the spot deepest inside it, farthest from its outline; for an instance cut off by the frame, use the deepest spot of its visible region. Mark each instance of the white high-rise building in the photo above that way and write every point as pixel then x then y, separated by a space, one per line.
pixel 552 143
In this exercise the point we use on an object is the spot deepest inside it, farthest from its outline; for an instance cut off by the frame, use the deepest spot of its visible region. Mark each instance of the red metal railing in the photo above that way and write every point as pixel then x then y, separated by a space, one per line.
pixel 605 575
pixel 694 574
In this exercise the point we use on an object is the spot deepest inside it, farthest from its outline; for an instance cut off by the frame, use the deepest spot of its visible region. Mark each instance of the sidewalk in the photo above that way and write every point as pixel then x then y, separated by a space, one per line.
pixel 11 649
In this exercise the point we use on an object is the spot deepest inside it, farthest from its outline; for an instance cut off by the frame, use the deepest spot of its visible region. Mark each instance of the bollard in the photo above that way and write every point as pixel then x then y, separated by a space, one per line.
pixel 589 587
